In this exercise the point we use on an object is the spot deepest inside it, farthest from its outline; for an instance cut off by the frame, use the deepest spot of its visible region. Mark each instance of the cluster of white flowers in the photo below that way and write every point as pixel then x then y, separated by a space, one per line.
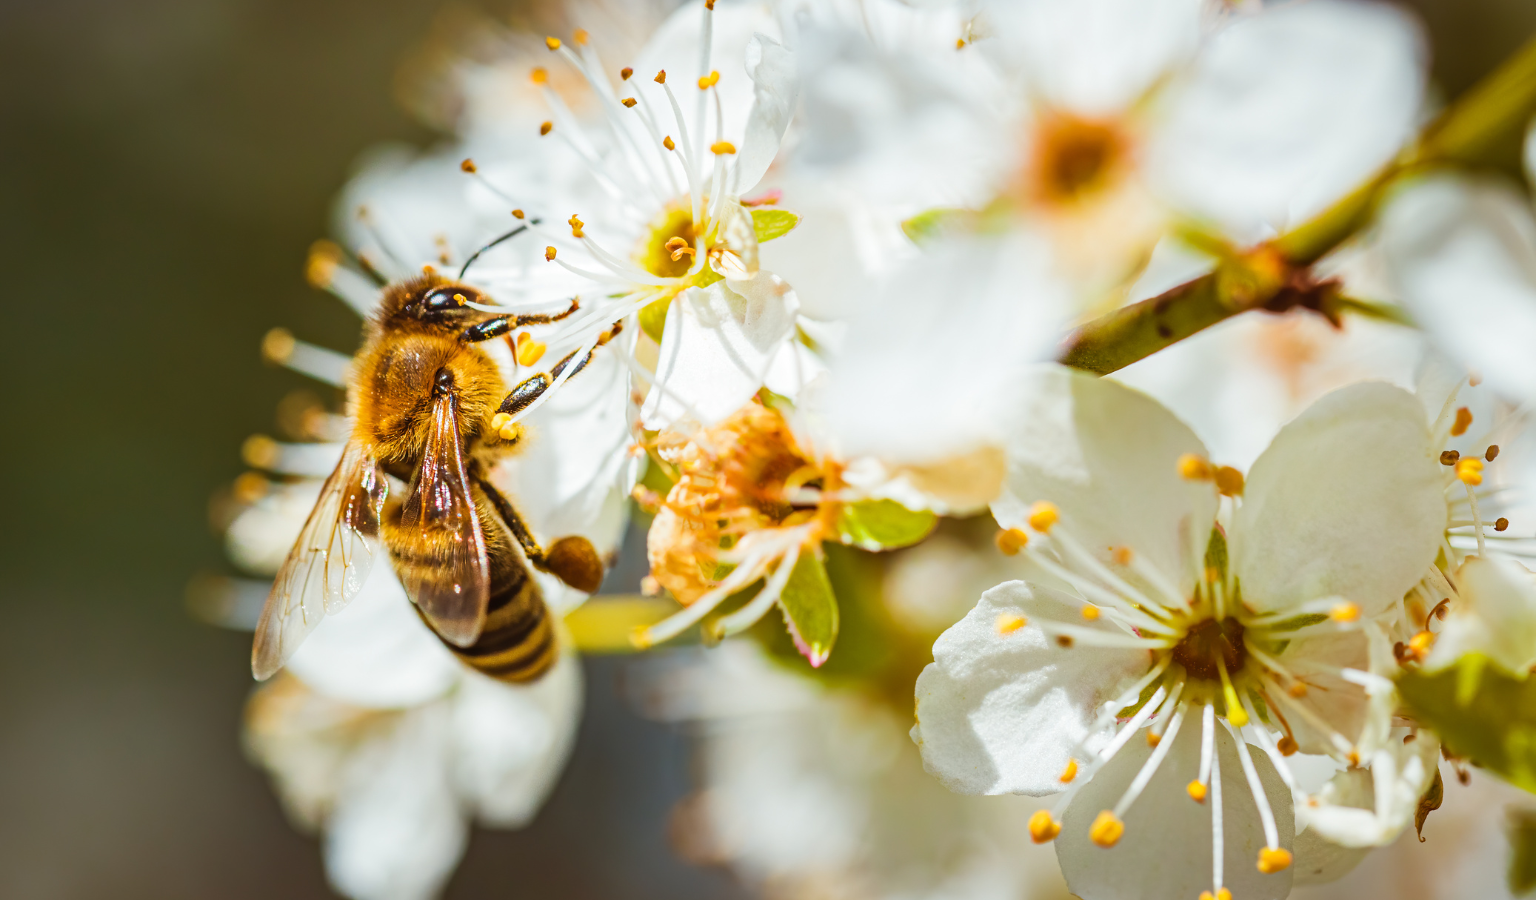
pixel 822 255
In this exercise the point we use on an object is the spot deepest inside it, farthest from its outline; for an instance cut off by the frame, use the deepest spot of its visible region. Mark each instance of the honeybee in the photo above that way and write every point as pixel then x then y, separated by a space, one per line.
pixel 430 409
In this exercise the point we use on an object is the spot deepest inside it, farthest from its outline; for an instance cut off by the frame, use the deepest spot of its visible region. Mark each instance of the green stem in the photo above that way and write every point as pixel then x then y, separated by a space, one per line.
pixel 1502 101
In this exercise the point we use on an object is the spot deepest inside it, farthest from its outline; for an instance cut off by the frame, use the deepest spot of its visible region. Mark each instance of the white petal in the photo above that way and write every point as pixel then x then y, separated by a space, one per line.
pixel 377 652
pixel 718 346
pixel 1290 109
pixel 1347 501
pixel 1371 807
pixel 1319 860
pixel 1000 713
pixel 1108 457
pixel 397 832
pixel 573 475
pixel 1494 614
pixel 510 742
pixel 1462 255
pixel 258 540
pixel 945 342
pixel 675 48
pixel 772 70
pixel 1342 704
pixel 1096 56
pixel 1165 853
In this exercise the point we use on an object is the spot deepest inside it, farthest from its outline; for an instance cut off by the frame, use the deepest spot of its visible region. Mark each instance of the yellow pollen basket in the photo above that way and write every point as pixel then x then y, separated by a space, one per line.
pixel 1106 830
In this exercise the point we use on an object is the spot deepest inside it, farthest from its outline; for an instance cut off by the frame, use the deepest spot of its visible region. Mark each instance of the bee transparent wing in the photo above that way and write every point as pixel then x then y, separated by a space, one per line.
pixel 450 580
pixel 328 564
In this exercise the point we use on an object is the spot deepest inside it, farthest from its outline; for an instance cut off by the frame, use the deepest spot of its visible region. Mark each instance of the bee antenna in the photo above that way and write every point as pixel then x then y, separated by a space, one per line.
pixel 506 237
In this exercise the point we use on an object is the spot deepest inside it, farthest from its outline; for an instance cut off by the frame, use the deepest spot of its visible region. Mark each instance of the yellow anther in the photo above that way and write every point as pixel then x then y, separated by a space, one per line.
pixel 1354 757
pixel 546 128
pixel 1153 738
pixel 1287 746
pixel 259 451
pixel 1043 515
pixel 1091 613
pixel 661 77
pixel 667 142
pixel 508 431
pixel 1462 423
pixel 1008 623
pixel 552 43
pixel 629 102
pixel 540 75
pixel 277 345
pixel 1298 689
pixel 1221 894
pixel 250 487
pixel 1106 829
pixel 722 148
pixel 709 5
pixel 1501 524
pixel 1043 828
pixel 575 224
pixel 625 72
pixel 324 257
pixel 1344 612
pixel 1124 555
pixel 1011 541
pixel 1229 481
pixel 1195 468
pixel 1420 643
pixel 959 43
pixel 468 165
pixel 1196 791
pixel 1274 859
pixel 499 420
pixel 580 36
pixel 428 271
pixel 679 248
pixel 1070 772
pixel 709 81
pixel 529 351
pixel 549 254
pixel 1470 471
pixel 517 214
pixel 460 299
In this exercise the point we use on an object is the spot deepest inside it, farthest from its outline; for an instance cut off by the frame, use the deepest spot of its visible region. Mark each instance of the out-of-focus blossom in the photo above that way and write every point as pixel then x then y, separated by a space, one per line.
pixel 809 790
pixel 394 788
pixel 1462 255
pixel 1275 609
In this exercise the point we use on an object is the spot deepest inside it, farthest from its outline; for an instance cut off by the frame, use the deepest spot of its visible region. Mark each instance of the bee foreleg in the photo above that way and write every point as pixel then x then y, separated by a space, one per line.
pixel 533 386
pixel 492 328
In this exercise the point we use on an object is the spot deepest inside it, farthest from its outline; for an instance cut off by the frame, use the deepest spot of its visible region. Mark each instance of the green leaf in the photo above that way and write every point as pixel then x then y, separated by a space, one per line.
pixel 810 608
pixel 773 223
pixel 936 223
pixel 1493 725
pixel 1522 839
pixel 883 525
pixel 653 318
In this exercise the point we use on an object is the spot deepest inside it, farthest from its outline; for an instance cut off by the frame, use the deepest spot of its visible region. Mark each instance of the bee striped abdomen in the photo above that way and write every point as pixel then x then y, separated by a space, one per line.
pixel 518 643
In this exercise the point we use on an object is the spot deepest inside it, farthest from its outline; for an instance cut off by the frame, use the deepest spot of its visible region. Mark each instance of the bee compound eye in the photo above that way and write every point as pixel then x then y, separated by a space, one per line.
pixel 449 298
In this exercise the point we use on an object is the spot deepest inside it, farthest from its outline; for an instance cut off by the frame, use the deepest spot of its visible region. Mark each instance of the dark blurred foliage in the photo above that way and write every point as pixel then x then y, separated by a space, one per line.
pixel 164 165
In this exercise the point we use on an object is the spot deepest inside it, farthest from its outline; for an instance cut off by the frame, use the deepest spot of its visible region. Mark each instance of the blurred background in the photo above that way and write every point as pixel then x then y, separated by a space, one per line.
pixel 164 166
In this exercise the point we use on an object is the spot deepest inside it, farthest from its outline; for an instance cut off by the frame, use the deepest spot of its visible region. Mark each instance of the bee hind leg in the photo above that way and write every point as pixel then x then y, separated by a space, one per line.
pixel 571 559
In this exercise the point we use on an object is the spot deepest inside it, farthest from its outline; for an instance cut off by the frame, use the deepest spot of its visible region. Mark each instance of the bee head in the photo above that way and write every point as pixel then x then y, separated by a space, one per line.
pixel 444 302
